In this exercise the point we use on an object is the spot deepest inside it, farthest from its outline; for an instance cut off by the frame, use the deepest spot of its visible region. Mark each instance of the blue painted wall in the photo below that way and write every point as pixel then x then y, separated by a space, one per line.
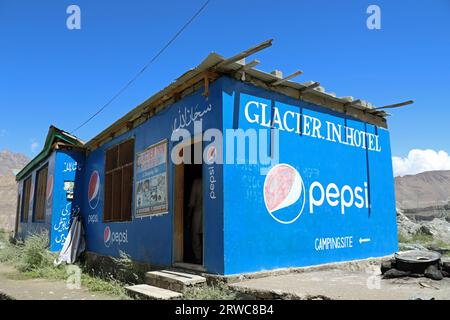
pixel 255 239
pixel 68 168
pixel 150 239
pixel 62 166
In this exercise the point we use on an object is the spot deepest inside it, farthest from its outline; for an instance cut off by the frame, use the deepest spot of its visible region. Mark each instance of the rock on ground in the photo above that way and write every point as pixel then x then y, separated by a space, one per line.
pixel 433 272
pixel 395 273
pixel 406 227
pixel 438 229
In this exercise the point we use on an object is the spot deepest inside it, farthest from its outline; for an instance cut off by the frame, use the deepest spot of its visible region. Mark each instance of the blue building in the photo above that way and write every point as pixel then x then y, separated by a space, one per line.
pixel 290 176
pixel 46 188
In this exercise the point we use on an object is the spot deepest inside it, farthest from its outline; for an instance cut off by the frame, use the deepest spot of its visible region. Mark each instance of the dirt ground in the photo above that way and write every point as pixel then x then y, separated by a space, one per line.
pixel 360 280
pixel 13 286
pixel 338 284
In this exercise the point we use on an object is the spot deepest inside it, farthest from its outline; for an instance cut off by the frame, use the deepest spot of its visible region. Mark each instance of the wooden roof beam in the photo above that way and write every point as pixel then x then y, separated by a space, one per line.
pixel 353 103
pixel 249 65
pixel 397 105
pixel 289 77
pixel 311 87
pixel 246 53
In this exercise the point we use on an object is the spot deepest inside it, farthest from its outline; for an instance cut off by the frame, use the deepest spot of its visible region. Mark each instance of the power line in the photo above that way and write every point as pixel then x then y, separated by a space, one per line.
pixel 129 83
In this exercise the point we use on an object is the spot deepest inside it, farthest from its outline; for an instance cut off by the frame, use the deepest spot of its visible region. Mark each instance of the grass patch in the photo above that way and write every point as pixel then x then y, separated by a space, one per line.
pixel 33 260
pixel 441 244
pixel 33 254
pixel 8 252
pixel 219 291
pixel 419 237
pixel 127 270
pixel 403 239
pixel 422 238
pixel 97 284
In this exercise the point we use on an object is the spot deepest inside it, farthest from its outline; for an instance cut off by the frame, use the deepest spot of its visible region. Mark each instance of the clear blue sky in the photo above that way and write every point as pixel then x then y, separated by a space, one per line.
pixel 52 75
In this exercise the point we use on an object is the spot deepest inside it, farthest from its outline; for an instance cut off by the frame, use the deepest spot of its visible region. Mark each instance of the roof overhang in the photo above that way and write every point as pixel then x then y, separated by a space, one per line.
pixel 215 66
pixel 56 138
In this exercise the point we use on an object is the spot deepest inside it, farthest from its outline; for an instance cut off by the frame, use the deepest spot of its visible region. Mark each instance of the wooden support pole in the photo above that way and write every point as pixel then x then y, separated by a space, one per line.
pixel 309 88
pixel 352 103
pixel 246 67
pixel 278 82
pixel 250 65
pixel 206 80
pixel 397 105
pixel 246 53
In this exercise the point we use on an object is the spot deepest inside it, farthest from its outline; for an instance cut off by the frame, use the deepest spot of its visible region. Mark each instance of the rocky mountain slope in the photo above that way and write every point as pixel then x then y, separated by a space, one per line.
pixel 423 211
pixel 423 191
pixel 10 163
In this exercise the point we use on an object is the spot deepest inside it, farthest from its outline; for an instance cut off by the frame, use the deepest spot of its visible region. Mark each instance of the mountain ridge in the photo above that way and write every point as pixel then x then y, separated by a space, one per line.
pixel 10 164
pixel 423 190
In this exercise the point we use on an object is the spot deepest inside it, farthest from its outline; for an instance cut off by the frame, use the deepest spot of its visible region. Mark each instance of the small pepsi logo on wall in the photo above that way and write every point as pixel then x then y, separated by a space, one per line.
pixel 211 155
pixel 117 238
pixel 107 236
pixel 94 190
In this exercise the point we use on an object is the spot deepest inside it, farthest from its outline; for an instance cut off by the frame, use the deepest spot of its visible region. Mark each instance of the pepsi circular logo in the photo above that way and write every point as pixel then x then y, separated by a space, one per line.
pixel 94 190
pixel 284 193
pixel 211 155
pixel 107 236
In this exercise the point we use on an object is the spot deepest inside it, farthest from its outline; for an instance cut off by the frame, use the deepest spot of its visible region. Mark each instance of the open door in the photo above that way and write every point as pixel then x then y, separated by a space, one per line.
pixel 178 214
pixel 188 214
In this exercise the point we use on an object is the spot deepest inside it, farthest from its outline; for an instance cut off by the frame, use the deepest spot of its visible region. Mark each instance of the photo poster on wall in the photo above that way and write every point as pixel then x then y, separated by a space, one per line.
pixel 151 180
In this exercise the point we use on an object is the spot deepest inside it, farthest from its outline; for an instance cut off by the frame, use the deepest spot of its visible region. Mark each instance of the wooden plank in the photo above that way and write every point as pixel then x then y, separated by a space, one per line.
pixel 246 53
pixel 353 103
pixel 26 199
pixel 249 65
pixel 178 214
pixel 309 88
pixel 206 92
pixel 18 212
pixel 39 208
pixel 397 105
pixel 295 74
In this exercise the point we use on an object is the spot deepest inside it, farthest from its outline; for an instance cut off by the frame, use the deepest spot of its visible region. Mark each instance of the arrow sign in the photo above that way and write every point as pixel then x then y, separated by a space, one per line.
pixel 363 240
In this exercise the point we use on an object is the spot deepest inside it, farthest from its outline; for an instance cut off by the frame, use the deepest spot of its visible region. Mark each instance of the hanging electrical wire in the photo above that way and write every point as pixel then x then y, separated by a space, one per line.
pixel 141 71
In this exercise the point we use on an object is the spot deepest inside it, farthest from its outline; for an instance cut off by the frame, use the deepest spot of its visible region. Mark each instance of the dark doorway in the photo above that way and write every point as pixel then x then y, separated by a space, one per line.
pixel 188 210
pixel 193 219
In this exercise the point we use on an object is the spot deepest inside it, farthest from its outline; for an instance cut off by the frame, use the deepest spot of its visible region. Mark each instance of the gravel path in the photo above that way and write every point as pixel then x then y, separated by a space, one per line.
pixel 337 284
pixel 12 286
